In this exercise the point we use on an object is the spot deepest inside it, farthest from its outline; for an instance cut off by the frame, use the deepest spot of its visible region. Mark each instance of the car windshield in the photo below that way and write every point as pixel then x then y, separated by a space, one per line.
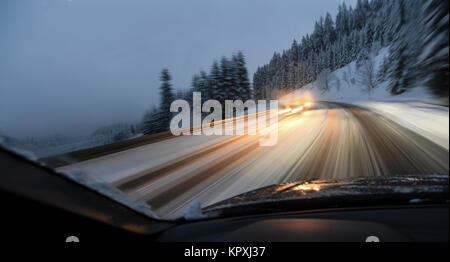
pixel 174 106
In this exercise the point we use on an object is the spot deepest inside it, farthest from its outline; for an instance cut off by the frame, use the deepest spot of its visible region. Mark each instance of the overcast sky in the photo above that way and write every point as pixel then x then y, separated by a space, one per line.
pixel 70 66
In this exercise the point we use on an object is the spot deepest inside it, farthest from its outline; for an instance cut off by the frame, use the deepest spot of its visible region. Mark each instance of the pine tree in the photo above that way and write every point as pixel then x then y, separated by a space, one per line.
pixel 167 98
pixel 329 32
pixel 234 90
pixel 434 61
pixel 294 59
pixel 242 81
pixel 342 21
pixel 150 121
pixel 398 53
pixel 367 74
pixel 215 83
pixel 226 78
pixel 205 86
pixel 195 83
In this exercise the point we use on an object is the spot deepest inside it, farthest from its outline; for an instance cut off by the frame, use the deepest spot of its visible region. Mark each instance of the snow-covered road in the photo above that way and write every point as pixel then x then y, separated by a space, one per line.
pixel 331 140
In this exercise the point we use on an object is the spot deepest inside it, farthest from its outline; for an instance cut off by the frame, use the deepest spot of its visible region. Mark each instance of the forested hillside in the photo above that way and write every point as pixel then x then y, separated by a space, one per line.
pixel 415 31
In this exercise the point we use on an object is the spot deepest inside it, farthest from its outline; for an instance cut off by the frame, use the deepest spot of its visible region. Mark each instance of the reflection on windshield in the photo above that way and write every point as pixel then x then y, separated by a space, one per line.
pixel 307 188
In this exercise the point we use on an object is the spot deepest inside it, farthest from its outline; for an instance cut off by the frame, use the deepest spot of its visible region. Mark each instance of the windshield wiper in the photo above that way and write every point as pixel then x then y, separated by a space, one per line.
pixel 318 194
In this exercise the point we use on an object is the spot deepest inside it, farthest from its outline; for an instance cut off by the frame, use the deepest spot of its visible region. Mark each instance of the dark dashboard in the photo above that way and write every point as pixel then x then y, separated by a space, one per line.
pixel 387 224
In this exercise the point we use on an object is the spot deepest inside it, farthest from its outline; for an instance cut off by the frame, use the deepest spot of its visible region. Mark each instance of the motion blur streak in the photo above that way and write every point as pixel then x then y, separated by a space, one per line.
pixel 329 140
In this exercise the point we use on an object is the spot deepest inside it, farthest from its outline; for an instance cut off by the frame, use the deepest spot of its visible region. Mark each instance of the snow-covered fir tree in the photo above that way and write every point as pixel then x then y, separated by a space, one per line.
pixel 159 120
pixel 227 80
pixel 409 28
pixel 433 61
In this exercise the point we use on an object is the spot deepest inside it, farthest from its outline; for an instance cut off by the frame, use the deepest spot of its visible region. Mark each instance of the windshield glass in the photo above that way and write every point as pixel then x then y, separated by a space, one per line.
pixel 174 106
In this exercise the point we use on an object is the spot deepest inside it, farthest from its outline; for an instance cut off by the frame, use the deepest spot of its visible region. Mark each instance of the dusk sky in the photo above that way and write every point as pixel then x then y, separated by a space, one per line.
pixel 68 67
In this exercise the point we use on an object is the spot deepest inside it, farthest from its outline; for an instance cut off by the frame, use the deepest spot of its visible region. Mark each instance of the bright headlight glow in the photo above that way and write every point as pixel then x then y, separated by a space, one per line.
pixel 297 109
pixel 284 111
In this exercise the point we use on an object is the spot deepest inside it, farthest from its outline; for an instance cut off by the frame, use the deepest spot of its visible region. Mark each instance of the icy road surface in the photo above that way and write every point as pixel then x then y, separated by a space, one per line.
pixel 331 140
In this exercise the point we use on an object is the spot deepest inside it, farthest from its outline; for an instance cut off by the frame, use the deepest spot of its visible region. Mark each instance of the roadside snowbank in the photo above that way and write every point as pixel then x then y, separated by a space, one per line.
pixel 414 109
pixel 431 121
